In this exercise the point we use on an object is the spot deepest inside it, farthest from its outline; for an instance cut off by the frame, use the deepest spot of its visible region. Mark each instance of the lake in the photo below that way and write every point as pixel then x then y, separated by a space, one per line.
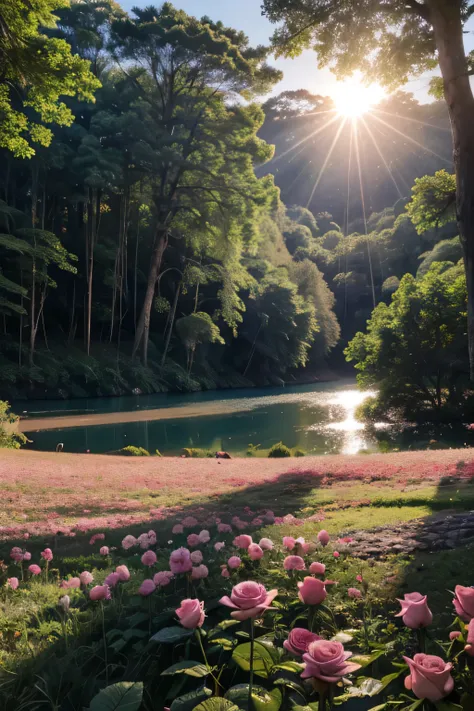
pixel 319 419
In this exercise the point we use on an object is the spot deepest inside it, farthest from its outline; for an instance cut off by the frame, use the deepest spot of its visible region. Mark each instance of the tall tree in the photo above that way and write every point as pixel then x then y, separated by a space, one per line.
pixel 388 41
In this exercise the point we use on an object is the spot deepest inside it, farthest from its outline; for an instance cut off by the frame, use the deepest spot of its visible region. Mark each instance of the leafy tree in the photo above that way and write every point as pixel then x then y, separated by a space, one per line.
pixel 448 251
pixel 36 71
pixel 360 34
pixel 433 202
pixel 9 437
pixel 194 329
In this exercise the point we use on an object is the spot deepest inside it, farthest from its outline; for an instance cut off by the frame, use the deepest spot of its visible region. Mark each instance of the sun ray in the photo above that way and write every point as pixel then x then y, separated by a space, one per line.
pixel 306 138
pixel 407 118
pixel 372 137
pixel 412 140
pixel 362 197
pixel 328 156
pixel 346 216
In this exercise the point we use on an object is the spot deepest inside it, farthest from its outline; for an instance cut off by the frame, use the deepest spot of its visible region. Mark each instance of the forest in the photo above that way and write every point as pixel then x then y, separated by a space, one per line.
pixel 161 230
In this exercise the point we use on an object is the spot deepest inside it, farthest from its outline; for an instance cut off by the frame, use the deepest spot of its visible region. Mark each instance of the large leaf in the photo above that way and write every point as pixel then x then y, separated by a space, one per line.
pixel 262 658
pixel 187 667
pixel 124 696
pixel 171 635
pixel 262 699
pixel 365 659
pixel 187 702
pixel 217 704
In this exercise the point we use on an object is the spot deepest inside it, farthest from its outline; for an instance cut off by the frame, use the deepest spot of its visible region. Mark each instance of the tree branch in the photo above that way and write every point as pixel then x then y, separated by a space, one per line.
pixel 418 8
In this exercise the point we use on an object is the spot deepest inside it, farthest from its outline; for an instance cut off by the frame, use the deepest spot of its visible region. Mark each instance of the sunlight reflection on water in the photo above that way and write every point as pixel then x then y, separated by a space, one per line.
pixel 346 403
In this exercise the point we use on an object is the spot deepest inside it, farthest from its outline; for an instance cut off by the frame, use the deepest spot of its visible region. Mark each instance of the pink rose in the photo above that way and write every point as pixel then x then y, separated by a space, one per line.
pixel 129 542
pixel 72 583
pixel 193 540
pixel 359 578
pixel 180 561
pixel 266 544
pixel 26 555
pixel 219 546
pixel 190 522
pixel 415 611
pixel 243 541
pixel 196 557
pixel 312 591
pixel 224 528
pixel 100 592
pixel 464 602
pixel 47 554
pixel 234 562
pixel 13 583
pixel 112 579
pixel 294 562
pixel 149 558
pixel 16 554
pixel 289 542
pixel 317 568
pixel 469 648
pixel 430 677
pixel 177 528
pixel 123 573
pixel 147 588
pixel 254 551
pixel 201 571
pixel 299 640
pixel 248 600
pixel 191 613
pixel 86 578
pixel 104 550
pixel 225 573
pixel 204 536
pixel 336 554
pixel 163 578
pixel 34 569
pixel 323 537
pixel 454 635
pixel 354 593
pixel 327 661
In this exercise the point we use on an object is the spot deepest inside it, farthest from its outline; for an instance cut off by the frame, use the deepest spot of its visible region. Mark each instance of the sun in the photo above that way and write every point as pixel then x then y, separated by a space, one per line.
pixel 352 98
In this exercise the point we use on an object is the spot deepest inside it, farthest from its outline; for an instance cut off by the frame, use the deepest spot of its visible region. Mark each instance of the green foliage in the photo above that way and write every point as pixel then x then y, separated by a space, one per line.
pixel 197 453
pixel 123 696
pixel 448 250
pixel 433 202
pixel 9 437
pixel 279 450
pixel 299 453
pixel 131 451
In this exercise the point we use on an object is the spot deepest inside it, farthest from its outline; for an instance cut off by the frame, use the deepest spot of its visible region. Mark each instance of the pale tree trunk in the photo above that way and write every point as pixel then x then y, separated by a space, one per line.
pixel 445 16
pixel 34 206
pixel 93 214
pixel 171 324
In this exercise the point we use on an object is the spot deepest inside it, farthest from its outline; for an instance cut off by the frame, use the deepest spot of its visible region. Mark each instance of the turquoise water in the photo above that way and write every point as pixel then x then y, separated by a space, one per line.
pixel 316 418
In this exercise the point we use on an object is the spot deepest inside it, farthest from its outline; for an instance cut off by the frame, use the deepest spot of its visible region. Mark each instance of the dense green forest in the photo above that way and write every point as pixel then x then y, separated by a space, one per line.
pixel 153 233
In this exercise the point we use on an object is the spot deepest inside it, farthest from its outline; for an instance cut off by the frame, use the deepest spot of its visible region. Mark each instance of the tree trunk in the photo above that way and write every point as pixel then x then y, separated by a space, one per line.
pixel 446 18
pixel 171 324
pixel 143 327
pixel 34 205
pixel 93 210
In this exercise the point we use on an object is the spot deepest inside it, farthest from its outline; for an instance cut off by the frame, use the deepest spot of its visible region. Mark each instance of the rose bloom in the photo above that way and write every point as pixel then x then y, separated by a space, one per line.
pixel 248 600
pixel 196 557
pixel 299 640
pixel 147 588
pixel 191 613
pixel 34 569
pixel 177 528
pixel 129 542
pixel 104 550
pixel 201 571
pixel 180 561
pixel 317 568
pixel 112 579
pixel 123 573
pixel 193 540
pixel 73 583
pixel 469 648
pixel 13 583
pixel 190 522
pixel 336 554
pixel 254 551
pixel 149 558
pixel 294 562
pixel 16 554
pixel 225 573
pixel 312 591
pixel 100 592
pixel 224 528
pixel 243 541
pixel 464 602
pixel 289 542
pixel 26 555
pixel 415 611
pixel 86 577
pixel 323 537
pixel 430 677
pixel 47 554
pixel 354 593
pixel 219 546
pixel 266 544
pixel 454 635
pixel 234 562
pixel 327 661
pixel 359 578
pixel 204 536
pixel 144 541
pixel 163 578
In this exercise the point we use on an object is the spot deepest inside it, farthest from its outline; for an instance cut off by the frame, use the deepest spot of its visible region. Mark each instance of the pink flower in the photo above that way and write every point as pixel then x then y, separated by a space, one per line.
pixel 86 577
pixel 234 562
pixel 97 537
pixel 317 568
pixel 177 528
pixel 100 592
pixel 354 593
pixel 26 555
pixel 327 661
pixel 415 611
pixel 266 544
pixel 129 542
pixel 147 588
pixel 144 541
pixel 123 573
pixel 254 551
pixel 180 561
pixel 224 528
pixel 359 578
pixel 190 522
pixel 16 554
pixel 152 537
pixel 47 554
pixel 289 542
pixel 72 583
pixel 104 550
pixel 312 591
pixel 34 569
pixel 294 562
pixel 323 537
pixel 299 640
pixel 469 648
pixel 430 677
pixel 240 525
pixel 196 557
pixel 204 536
pixel 248 600
pixel 193 540
pixel 219 546
pixel 454 635
pixel 191 613
pixel 464 602
pixel 112 579
pixel 243 541
pixel 149 558
pixel 201 571
pixel 225 573
pixel 163 578
pixel 336 554
pixel 13 583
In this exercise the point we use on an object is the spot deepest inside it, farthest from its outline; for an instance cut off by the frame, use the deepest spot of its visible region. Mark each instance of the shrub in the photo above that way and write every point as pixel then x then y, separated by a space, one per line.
pixel 197 453
pixel 9 437
pixel 279 450
pixel 158 453
pixel 252 450
pixel 132 451
pixel 299 452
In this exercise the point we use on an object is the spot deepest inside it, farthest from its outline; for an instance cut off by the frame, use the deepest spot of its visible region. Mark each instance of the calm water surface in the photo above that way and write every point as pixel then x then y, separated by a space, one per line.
pixel 320 419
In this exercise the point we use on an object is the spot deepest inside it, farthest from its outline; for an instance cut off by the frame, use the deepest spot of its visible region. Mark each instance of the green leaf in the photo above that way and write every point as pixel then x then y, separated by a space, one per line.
pixel 262 699
pixel 365 659
pixel 124 696
pixel 290 666
pixel 134 634
pixel 223 626
pixel 224 642
pixel 217 704
pixel 171 635
pixel 444 705
pixel 262 658
pixel 187 702
pixel 187 667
